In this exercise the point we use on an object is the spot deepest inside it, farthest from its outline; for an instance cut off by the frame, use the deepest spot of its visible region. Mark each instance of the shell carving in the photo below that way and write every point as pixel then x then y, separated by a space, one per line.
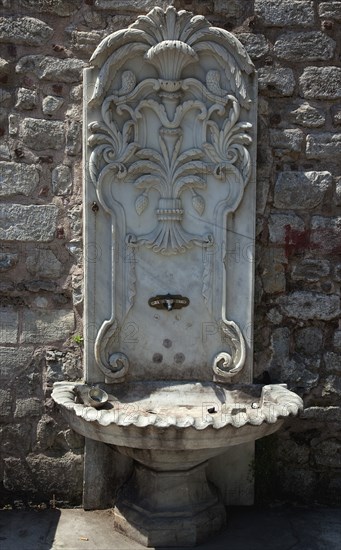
pixel 170 57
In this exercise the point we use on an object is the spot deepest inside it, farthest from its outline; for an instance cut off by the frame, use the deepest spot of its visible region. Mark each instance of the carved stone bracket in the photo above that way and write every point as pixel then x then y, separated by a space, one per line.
pixel 114 366
pixel 227 365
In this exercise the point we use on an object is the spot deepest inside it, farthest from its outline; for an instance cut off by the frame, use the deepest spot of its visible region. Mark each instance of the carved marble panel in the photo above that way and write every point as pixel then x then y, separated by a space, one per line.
pixel 170 109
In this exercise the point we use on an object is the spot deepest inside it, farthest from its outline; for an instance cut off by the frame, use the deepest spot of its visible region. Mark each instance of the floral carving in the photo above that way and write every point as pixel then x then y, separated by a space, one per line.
pixel 111 148
pixel 227 148
pixel 200 139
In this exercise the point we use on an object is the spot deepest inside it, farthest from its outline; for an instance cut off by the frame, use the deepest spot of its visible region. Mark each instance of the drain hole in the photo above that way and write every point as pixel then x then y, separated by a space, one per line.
pixel 179 358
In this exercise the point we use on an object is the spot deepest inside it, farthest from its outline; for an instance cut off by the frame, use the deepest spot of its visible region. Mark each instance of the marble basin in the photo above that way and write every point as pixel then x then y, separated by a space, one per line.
pixel 171 429
pixel 178 416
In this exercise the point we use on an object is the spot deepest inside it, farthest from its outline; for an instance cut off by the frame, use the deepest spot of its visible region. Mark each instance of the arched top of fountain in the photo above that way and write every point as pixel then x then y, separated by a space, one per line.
pixel 170 40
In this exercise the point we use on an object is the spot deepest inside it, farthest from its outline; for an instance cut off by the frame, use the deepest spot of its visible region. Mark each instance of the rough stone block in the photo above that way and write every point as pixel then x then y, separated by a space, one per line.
pixel 9 325
pixel 43 263
pixel 296 373
pixel 281 13
pixel 231 8
pixel 17 476
pixel 18 179
pixel 280 344
pixel 6 400
pixel 337 340
pixel 321 83
pixel 75 217
pixel 85 42
pixel 337 272
pixel 273 279
pixel 28 223
pixel 61 180
pixel 292 452
pixel 326 234
pixel 47 326
pixel 12 360
pixel 309 340
pixel 26 99
pixel 256 45
pixel 41 134
pixel 51 104
pixel 288 140
pixel 332 362
pixel 24 30
pixel 308 116
pixel 16 437
pixel 336 115
pixel 73 138
pixel 63 365
pixel 5 153
pixel 138 6
pixel 332 386
pixel 274 316
pixel 328 453
pixel 54 363
pixel 77 289
pixel 6 286
pixel 330 10
pixel 13 124
pixel 46 433
pixel 55 7
pixel 323 145
pixel 51 68
pixel 311 270
pixel 322 414
pixel 58 475
pixel 304 46
pixel 27 408
pixel 5 67
pixel 305 305
pixel 7 261
pixel 4 96
pixel 276 82
pixel 37 286
pixel 76 93
pixel 281 227
pixel 301 190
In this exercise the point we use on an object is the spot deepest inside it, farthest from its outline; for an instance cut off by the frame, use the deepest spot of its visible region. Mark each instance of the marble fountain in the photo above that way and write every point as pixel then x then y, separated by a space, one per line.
pixel 167 404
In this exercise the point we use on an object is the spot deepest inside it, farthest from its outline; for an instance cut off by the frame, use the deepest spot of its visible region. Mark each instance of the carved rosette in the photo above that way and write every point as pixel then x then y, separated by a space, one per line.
pixel 170 42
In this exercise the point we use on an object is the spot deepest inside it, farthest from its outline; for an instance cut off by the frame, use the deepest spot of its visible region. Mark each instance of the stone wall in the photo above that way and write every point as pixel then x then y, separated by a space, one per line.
pixel 44 46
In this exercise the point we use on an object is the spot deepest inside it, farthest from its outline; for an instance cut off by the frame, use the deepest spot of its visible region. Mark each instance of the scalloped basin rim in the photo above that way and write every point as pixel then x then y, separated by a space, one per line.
pixel 165 404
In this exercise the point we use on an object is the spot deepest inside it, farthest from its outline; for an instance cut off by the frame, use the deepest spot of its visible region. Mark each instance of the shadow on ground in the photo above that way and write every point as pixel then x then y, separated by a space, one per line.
pixel 282 528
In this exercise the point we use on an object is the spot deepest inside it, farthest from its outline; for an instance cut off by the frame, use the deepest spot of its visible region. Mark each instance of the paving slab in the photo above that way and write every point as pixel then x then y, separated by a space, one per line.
pixel 249 528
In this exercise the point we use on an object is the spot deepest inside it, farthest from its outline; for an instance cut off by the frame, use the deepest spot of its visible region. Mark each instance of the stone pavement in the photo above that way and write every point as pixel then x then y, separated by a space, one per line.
pixel 281 528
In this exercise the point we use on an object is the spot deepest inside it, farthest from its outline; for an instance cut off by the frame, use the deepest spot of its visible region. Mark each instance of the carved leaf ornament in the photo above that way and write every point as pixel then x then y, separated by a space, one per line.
pixel 169 42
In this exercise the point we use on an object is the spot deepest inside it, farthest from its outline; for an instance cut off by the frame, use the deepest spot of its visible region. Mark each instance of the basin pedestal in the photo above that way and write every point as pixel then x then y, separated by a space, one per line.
pixel 169 508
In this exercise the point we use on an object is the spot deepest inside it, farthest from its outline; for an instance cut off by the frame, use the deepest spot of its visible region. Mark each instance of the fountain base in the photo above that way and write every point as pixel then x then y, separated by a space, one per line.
pixel 169 508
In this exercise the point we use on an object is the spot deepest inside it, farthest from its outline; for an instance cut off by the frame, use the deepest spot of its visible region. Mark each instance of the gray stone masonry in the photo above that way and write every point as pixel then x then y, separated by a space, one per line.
pixel 45 44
